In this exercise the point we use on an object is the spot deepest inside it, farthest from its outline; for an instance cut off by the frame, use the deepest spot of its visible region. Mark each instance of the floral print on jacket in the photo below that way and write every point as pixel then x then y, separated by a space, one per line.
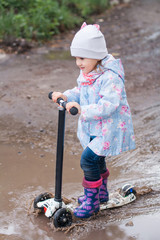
pixel 105 112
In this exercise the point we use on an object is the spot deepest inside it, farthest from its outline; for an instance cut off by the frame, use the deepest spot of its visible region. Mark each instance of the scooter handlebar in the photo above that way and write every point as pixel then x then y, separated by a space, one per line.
pixel 62 103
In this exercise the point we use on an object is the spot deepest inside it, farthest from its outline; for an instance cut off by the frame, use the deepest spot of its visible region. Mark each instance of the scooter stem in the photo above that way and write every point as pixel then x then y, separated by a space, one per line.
pixel 59 155
pixel 60 146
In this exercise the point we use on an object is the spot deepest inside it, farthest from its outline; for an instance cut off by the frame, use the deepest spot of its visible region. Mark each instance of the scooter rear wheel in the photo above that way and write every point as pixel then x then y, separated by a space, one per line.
pixel 128 189
pixel 40 198
pixel 62 218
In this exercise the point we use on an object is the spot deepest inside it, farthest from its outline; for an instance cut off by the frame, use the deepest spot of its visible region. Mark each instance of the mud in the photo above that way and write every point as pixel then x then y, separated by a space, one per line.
pixel 28 130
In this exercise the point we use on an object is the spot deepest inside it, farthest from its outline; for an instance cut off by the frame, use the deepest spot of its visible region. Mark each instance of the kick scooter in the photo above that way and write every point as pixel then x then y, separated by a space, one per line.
pixel 55 208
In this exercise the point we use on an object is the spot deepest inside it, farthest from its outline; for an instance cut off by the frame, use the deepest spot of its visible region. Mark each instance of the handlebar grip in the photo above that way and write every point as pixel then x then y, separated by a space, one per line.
pixel 50 95
pixel 61 102
pixel 74 111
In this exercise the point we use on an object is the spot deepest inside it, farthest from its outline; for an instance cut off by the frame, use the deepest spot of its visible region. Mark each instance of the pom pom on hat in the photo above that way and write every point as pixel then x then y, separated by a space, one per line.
pixel 89 42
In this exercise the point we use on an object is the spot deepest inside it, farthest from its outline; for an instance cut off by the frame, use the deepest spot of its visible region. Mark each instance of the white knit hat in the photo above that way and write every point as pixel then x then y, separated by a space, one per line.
pixel 89 42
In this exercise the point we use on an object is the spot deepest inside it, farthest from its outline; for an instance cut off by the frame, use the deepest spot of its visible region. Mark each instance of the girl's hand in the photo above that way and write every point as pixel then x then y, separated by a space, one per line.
pixel 56 95
pixel 73 104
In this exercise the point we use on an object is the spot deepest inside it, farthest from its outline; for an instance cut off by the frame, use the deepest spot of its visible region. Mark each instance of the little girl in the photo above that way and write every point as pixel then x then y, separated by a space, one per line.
pixel 105 124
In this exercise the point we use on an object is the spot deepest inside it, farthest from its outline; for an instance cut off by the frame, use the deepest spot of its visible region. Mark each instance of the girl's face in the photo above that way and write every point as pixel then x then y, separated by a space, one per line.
pixel 86 64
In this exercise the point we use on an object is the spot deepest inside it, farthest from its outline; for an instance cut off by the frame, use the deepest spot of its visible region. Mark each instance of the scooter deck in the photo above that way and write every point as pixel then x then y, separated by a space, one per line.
pixel 117 200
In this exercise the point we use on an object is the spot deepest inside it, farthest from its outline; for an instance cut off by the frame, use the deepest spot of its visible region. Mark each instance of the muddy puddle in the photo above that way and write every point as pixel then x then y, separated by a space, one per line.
pixel 140 227
pixel 26 172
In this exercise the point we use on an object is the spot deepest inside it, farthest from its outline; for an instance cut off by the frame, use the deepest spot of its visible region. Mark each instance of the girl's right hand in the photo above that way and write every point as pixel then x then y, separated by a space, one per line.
pixel 56 95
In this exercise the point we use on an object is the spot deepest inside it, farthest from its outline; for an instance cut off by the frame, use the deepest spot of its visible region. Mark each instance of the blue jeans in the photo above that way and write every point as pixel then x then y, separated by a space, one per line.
pixel 92 164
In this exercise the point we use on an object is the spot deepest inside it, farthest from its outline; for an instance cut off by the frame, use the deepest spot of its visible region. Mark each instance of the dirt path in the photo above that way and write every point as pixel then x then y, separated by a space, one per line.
pixel 28 127
pixel 27 79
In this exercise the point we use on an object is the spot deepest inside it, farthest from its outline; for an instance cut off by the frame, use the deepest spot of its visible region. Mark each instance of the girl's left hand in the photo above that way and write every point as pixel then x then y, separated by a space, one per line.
pixel 73 104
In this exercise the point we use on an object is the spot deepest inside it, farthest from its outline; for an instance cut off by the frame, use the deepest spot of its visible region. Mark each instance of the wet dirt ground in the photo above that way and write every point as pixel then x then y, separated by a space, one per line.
pixel 28 130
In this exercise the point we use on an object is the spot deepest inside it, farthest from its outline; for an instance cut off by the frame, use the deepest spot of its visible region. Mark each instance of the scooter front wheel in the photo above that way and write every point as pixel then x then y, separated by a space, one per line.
pixel 41 197
pixel 62 218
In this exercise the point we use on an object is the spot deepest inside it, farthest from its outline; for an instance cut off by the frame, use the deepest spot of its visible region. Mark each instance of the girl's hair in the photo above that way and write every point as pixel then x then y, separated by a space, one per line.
pixel 100 65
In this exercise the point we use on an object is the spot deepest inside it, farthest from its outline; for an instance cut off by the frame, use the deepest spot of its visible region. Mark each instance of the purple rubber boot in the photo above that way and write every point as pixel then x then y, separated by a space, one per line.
pixel 90 205
pixel 103 192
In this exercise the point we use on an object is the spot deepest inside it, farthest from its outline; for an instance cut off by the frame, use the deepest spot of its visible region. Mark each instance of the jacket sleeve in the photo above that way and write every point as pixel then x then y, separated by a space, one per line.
pixel 110 96
pixel 73 95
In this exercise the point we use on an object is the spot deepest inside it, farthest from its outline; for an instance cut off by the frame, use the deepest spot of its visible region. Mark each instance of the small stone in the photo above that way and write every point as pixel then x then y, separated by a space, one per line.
pixel 101 20
pixel 129 224
pixel 28 96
